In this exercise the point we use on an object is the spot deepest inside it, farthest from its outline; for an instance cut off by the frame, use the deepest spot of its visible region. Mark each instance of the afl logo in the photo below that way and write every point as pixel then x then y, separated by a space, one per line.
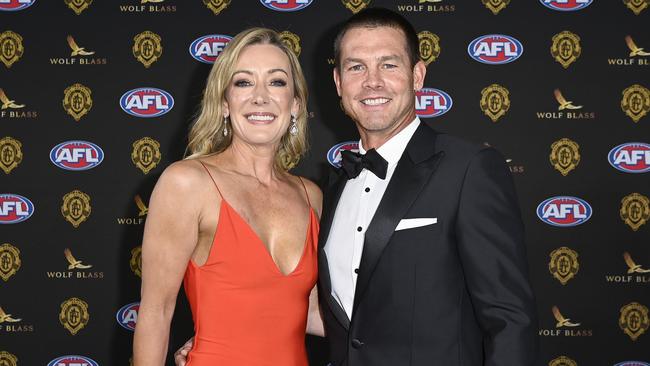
pixel 127 316
pixel 495 49
pixel 631 157
pixel 146 102
pixel 73 361
pixel 432 102
pixel 14 208
pixel 334 153
pixel 207 48
pixel 76 155
pixel 15 5
pixel 564 211
pixel 286 5
pixel 566 5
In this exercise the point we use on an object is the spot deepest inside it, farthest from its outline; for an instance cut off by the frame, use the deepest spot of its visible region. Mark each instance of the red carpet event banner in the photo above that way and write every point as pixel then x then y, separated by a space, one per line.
pixel 96 98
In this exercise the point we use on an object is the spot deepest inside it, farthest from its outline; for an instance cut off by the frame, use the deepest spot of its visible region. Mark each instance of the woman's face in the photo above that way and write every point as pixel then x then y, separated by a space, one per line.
pixel 260 98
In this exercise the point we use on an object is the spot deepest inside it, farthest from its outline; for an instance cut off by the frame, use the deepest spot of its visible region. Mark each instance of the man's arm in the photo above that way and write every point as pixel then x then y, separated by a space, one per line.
pixel 493 255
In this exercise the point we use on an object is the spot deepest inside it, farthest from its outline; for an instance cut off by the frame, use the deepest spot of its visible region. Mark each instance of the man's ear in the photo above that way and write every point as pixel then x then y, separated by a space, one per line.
pixel 419 73
pixel 337 80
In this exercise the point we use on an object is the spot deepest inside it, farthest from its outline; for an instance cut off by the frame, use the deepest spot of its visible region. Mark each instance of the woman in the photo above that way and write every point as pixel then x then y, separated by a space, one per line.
pixel 233 224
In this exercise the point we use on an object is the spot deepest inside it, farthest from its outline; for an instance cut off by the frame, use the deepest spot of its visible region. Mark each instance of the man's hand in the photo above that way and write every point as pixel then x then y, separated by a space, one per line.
pixel 180 356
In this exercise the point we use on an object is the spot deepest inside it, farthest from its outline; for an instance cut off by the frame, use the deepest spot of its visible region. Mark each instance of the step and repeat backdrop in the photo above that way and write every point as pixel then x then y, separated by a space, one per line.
pixel 97 97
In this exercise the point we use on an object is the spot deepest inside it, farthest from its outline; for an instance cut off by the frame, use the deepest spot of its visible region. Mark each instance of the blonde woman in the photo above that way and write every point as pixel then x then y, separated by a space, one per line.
pixel 233 224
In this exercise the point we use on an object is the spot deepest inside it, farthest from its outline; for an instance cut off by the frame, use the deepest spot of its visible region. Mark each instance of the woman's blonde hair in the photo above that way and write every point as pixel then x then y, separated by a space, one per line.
pixel 206 135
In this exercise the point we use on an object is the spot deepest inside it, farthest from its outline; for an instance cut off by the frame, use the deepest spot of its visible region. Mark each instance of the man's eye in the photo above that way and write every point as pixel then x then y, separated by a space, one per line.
pixel 355 68
pixel 242 83
pixel 278 82
pixel 389 66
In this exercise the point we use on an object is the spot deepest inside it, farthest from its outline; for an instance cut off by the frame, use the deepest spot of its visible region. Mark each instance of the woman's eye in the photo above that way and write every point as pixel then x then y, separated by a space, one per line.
pixel 278 82
pixel 241 83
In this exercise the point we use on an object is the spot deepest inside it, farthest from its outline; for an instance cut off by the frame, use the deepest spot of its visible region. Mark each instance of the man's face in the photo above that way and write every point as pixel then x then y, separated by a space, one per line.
pixel 376 82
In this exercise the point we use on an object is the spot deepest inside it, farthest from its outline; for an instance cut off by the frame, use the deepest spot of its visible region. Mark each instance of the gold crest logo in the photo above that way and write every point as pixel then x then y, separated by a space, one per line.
pixel 561 320
pixel 77 101
pixel 631 266
pixel 78 5
pixel 565 155
pixel 146 154
pixel 216 5
pixel 429 47
pixel 11 47
pixel 634 49
pixel 10 154
pixel 73 263
pixel 495 5
pixel 4 317
pixel 7 103
pixel 495 101
pixel 8 359
pixel 356 6
pixel 74 315
pixel 563 103
pixel 634 320
pixel 566 48
pixel 136 261
pixel 76 50
pixel 76 207
pixel 635 210
pixel 636 102
pixel 564 264
pixel 9 261
pixel 637 6
pixel 144 210
pixel 292 41
pixel 562 361
pixel 147 48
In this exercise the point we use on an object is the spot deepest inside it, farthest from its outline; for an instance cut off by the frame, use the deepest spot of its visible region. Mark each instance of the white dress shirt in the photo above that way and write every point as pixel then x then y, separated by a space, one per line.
pixel 353 214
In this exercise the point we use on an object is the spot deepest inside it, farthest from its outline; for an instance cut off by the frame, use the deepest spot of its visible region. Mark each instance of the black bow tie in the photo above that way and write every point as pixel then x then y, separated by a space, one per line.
pixel 353 163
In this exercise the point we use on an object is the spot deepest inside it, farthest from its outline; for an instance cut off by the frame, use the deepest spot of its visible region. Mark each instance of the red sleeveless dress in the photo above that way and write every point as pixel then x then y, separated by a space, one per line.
pixel 245 311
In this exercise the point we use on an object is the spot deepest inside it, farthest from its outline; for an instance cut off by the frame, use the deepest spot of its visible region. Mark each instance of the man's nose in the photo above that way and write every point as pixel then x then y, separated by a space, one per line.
pixel 373 79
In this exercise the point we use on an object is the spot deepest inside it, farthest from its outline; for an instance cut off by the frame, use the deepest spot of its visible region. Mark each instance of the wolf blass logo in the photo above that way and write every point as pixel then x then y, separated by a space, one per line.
pixel 149 6
pixel 135 220
pixel 13 324
pixel 433 6
pixel 10 108
pixel 566 109
pixel 637 55
pixel 635 273
pixel 79 55
pixel 76 269
pixel 564 327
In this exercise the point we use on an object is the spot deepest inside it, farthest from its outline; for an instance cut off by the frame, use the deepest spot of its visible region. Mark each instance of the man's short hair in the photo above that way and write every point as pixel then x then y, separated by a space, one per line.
pixel 379 17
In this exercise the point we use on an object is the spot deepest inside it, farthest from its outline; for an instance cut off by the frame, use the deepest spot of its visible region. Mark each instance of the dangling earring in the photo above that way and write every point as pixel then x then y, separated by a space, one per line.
pixel 293 128
pixel 225 126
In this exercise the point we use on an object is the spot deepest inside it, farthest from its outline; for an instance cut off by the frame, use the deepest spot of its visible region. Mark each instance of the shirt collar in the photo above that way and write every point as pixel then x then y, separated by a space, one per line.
pixel 393 149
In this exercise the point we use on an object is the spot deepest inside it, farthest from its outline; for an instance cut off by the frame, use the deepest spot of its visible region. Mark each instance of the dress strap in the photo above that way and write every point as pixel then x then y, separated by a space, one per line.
pixel 213 181
pixel 306 194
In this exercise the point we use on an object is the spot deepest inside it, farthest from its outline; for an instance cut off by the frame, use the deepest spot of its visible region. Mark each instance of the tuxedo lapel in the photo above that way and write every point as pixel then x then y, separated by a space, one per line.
pixel 413 171
pixel 332 195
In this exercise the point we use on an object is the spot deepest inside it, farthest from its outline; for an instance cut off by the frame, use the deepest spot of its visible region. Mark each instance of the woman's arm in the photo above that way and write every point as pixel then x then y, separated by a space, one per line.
pixel 314 319
pixel 170 236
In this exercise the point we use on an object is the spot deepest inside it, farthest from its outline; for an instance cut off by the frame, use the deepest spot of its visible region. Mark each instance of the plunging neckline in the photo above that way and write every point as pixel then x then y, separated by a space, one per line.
pixel 261 242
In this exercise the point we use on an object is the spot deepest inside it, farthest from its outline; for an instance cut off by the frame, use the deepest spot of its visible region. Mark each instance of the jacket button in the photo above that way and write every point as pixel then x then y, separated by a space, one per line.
pixel 357 343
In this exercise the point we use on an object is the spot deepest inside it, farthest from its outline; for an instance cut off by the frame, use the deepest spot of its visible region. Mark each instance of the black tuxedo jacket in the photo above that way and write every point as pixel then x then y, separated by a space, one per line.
pixel 455 293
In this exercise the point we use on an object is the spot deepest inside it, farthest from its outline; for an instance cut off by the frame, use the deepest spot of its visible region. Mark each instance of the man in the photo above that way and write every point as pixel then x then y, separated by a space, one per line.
pixel 421 251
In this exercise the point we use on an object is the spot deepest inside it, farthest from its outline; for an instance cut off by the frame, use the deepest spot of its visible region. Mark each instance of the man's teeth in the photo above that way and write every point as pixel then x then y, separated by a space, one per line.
pixel 256 117
pixel 376 101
